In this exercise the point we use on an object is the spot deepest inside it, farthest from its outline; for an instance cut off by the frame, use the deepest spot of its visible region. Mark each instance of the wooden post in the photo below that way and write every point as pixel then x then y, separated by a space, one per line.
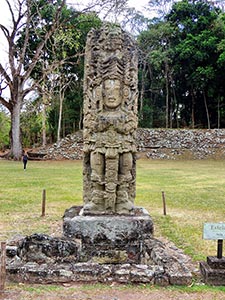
pixel 3 266
pixel 43 202
pixel 164 203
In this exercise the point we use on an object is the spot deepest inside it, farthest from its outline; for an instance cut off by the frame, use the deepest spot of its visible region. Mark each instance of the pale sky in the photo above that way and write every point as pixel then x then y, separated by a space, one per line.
pixel 4 13
pixel 4 17
pixel 138 4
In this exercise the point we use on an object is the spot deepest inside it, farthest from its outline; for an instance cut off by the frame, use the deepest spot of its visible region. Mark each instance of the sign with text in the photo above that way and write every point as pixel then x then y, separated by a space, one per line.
pixel 214 231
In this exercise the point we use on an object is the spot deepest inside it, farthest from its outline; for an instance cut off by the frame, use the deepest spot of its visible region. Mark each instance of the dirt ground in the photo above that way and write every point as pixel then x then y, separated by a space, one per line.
pixel 114 295
pixel 117 292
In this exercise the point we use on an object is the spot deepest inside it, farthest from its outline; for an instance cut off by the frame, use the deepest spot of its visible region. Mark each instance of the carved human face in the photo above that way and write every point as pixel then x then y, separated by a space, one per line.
pixel 112 97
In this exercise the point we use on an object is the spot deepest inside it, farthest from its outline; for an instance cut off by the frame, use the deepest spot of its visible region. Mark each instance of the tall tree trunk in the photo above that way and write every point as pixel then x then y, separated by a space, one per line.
pixel 192 109
pixel 44 139
pixel 15 136
pixel 142 90
pixel 61 98
pixel 206 109
pixel 171 113
pixel 176 105
pixel 218 113
pixel 80 124
pixel 167 94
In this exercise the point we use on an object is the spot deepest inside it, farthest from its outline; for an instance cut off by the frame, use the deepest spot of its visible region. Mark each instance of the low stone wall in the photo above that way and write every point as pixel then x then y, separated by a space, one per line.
pixel 43 259
pixel 181 143
pixel 155 144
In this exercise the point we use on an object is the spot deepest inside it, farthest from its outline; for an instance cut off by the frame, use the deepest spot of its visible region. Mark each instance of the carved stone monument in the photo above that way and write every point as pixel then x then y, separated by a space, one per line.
pixel 107 239
pixel 109 224
pixel 110 121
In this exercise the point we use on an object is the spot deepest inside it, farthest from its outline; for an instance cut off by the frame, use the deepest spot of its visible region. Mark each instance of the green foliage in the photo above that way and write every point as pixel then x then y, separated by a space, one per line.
pixel 4 130
pixel 182 59
pixel 73 102
pixel 61 63
pixel 157 53
pixel 31 124
pixel 196 58
pixel 185 60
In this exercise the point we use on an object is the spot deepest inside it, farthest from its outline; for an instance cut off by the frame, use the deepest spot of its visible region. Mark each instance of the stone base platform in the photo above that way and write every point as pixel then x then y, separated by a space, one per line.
pixel 44 259
pixel 213 271
pixel 99 249
pixel 107 238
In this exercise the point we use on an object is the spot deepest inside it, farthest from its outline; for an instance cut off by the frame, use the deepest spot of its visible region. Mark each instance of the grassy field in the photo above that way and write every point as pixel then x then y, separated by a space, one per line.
pixel 194 192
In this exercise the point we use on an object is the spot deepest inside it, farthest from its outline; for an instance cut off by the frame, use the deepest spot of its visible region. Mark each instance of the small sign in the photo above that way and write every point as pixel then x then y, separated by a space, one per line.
pixel 214 231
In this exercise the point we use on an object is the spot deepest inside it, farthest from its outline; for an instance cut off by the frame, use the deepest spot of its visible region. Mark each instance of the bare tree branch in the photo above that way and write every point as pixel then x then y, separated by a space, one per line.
pixel 5 74
pixel 5 31
pixel 40 47
pixel 5 103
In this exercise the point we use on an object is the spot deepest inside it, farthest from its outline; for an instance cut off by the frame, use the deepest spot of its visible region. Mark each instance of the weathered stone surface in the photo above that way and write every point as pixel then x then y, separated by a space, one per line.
pixel 172 259
pixel 70 147
pixel 109 239
pixel 212 276
pixel 73 211
pixel 11 251
pixel 110 121
pixel 170 267
pixel 175 143
pixel 109 256
pixel 88 272
pixel 216 263
pixel 108 229
pixel 42 248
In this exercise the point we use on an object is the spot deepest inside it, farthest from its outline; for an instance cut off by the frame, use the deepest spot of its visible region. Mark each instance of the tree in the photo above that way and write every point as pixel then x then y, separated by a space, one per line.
pixel 15 75
pixel 60 68
pixel 195 59
pixel 160 7
pixel 182 67
pixel 31 122
pixel 156 59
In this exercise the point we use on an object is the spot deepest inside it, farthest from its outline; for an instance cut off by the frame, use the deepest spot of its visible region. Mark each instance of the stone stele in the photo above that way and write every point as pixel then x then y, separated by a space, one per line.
pixel 107 239
pixel 110 121
pixel 109 224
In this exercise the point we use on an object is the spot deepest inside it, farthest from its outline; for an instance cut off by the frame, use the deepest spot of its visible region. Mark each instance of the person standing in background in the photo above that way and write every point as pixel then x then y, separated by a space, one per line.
pixel 24 159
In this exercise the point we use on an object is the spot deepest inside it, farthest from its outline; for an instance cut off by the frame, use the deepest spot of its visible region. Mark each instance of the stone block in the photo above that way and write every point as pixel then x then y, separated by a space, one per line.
pixel 142 274
pixel 212 276
pixel 180 278
pixel 42 248
pixel 161 280
pixel 115 231
pixel 216 263
pixel 119 229
pixel 109 257
pixel 107 239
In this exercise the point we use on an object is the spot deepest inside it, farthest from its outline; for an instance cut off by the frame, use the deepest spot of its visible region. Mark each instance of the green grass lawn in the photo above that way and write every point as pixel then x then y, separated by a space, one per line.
pixel 194 191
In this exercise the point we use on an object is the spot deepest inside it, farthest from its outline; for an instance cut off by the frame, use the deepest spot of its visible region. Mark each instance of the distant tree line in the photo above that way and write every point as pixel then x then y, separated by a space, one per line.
pixel 181 67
